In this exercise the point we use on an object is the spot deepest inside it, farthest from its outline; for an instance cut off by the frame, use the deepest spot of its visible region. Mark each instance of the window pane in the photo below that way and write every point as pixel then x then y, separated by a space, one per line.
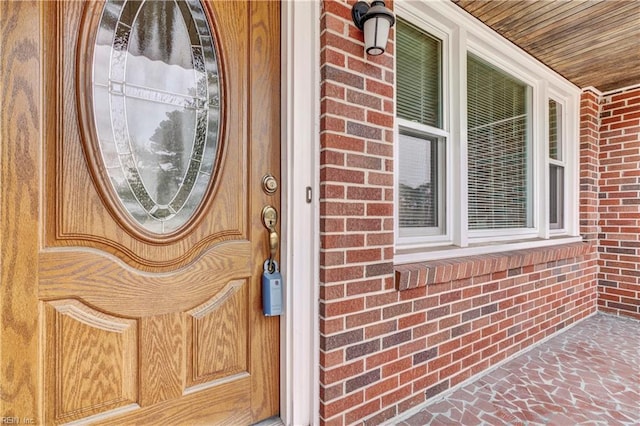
pixel 555 141
pixel 556 196
pixel 418 68
pixel 498 154
pixel 156 99
pixel 419 183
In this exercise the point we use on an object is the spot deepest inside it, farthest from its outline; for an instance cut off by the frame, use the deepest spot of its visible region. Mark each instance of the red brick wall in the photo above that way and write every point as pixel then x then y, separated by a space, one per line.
pixel 456 319
pixel 356 212
pixel 384 350
pixel 619 278
pixel 589 168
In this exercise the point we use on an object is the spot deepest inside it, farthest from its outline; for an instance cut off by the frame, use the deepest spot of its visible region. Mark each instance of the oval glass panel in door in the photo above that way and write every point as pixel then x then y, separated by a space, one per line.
pixel 156 103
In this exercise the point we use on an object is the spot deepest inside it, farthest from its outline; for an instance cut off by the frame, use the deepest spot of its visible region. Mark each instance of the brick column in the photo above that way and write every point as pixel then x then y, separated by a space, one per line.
pixel 589 173
pixel 356 208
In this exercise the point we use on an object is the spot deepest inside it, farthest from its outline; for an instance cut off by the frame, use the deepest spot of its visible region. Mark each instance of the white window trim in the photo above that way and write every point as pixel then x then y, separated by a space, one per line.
pixel 462 34
pixel 565 157
pixel 299 325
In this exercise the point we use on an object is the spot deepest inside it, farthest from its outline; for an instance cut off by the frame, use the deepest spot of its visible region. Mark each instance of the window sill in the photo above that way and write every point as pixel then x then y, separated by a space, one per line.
pixel 438 252
pixel 462 266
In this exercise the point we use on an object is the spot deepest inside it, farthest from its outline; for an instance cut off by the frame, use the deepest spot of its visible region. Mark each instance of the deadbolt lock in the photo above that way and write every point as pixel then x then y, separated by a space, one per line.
pixel 269 184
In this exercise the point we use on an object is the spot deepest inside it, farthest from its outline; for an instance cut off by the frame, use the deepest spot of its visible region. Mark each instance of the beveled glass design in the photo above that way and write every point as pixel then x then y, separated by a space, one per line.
pixel 156 104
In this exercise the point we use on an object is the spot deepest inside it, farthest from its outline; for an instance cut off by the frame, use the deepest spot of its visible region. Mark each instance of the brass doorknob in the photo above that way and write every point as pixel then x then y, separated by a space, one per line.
pixel 270 220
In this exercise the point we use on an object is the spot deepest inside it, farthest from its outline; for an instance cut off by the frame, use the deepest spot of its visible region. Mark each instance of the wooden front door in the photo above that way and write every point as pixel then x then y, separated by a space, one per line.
pixel 131 280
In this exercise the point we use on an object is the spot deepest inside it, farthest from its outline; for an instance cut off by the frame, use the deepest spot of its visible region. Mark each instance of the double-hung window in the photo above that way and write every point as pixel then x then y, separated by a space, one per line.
pixel 486 142
pixel 422 140
pixel 556 166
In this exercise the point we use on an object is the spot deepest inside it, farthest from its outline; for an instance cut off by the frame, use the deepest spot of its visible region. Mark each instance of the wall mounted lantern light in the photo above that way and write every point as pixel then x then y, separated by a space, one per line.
pixel 375 21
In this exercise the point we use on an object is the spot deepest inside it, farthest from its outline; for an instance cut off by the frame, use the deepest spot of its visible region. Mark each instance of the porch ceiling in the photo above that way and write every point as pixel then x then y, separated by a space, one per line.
pixel 590 42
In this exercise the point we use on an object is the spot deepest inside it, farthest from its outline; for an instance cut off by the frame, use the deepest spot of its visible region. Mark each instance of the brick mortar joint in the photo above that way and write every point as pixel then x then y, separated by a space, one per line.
pixel 421 274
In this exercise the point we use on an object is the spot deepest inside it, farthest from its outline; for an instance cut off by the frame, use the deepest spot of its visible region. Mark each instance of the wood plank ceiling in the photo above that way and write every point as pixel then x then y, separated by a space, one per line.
pixel 590 42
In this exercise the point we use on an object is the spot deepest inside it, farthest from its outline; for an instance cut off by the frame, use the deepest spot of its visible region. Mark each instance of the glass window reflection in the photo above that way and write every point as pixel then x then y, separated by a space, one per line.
pixel 156 103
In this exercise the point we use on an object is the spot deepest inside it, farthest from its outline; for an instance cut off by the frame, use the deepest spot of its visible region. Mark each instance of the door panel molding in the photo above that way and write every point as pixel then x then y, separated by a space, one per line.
pixel 212 356
pixel 110 285
pixel 91 361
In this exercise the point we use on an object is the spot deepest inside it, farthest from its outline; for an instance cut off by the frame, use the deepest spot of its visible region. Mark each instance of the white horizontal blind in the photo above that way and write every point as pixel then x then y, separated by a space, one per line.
pixel 554 122
pixel 418 183
pixel 418 64
pixel 498 155
pixel 556 167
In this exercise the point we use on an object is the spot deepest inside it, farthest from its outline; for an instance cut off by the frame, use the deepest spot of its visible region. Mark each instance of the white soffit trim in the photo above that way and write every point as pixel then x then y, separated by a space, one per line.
pixel 593 90
pixel 616 91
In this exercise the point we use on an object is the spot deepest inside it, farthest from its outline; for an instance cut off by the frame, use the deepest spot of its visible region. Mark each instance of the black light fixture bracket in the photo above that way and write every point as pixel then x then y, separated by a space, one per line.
pixel 361 12
pixel 357 13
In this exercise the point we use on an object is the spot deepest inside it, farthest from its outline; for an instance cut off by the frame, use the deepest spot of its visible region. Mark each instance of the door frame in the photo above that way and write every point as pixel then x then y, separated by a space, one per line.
pixel 299 346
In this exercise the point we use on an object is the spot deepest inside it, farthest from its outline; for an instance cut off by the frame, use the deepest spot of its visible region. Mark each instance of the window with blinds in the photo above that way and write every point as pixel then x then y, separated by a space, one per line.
pixel 485 150
pixel 556 167
pixel 555 145
pixel 418 64
pixel 421 151
pixel 499 158
pixel 418 182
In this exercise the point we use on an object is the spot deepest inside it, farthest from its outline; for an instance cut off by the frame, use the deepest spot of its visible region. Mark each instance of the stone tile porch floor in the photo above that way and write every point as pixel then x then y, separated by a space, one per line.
pixel 587 375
